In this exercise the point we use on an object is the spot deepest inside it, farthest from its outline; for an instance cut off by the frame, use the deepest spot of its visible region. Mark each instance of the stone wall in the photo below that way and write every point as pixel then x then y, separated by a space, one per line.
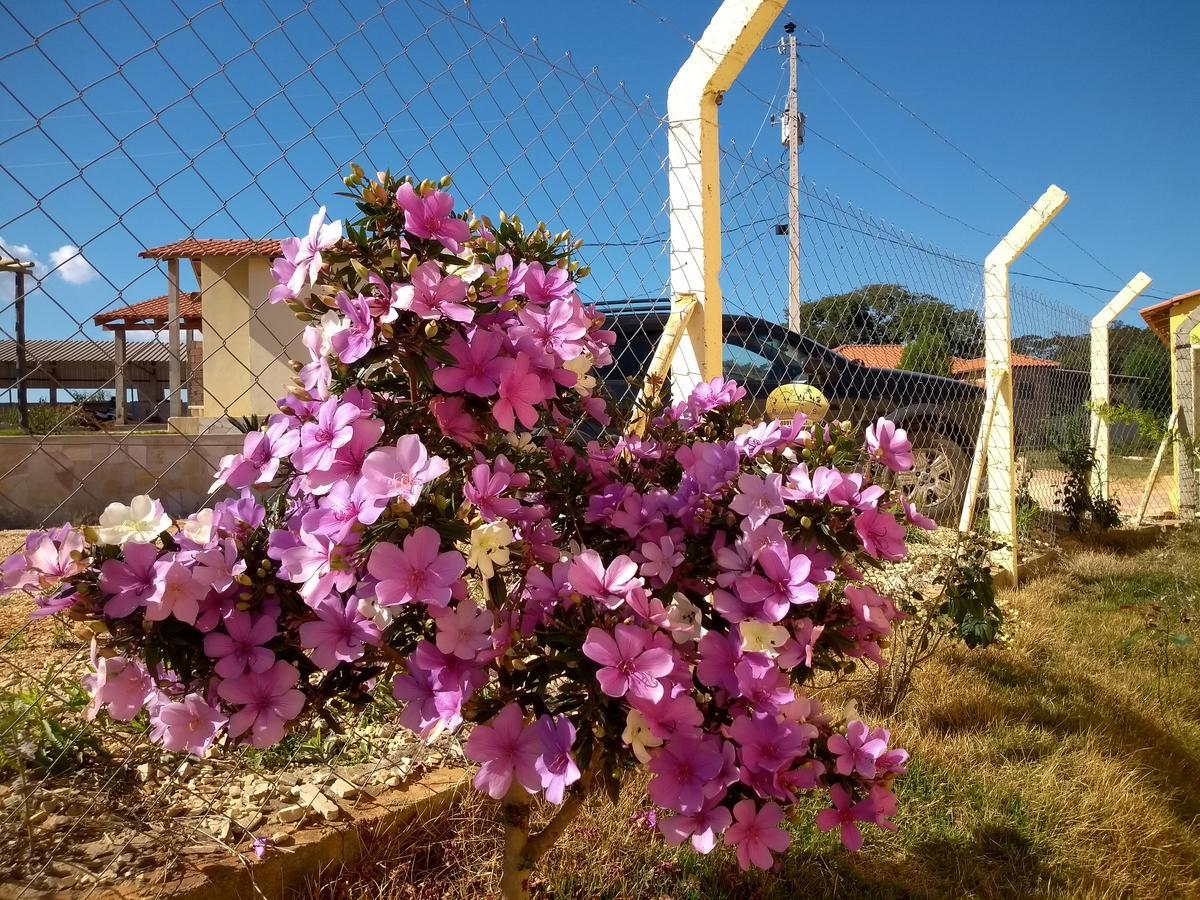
pixel 73 477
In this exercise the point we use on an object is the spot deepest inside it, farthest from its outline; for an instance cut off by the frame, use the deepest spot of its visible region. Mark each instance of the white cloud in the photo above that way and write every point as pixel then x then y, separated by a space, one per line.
pixel 8 282
pixel 68 262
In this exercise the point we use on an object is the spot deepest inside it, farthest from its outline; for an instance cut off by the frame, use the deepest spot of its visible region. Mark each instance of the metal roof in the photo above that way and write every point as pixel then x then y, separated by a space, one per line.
pixel 82 351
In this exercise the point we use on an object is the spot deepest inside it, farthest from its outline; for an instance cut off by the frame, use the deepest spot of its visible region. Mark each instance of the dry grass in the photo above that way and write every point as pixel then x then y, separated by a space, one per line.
pixel 1066 765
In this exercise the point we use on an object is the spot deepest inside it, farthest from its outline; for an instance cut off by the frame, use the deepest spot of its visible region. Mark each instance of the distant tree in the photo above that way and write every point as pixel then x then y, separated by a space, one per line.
pixel 927 353
pixel 891 314
pixel 1150 360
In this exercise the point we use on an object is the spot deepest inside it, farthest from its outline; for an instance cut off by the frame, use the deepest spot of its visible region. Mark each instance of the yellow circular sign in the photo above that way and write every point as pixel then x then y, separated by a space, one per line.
pixel 788 399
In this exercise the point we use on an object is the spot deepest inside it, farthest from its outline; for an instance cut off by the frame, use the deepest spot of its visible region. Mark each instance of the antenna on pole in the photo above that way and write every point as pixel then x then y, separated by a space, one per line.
pixel 793 137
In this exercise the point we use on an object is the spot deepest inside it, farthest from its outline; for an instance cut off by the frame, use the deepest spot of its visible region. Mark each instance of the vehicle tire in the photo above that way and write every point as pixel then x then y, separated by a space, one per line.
pixel 937 483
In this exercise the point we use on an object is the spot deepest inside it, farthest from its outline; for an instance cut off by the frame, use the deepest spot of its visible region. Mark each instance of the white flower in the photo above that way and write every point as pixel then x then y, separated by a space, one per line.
pixel 198 527
pixel 140 522
pixel 762 637
pixel 331 323
pixel 637 734
pixel 489 547
pixel 684 618
pixel 581 365
pixel 468 272
pixel 369 608
pixel 519 442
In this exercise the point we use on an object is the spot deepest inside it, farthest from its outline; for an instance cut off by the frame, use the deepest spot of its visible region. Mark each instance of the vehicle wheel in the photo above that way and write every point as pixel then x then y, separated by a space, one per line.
pixel 938 480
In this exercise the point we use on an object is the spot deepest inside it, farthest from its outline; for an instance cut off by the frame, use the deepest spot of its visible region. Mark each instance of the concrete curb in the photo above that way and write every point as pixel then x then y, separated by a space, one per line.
pixel 223 876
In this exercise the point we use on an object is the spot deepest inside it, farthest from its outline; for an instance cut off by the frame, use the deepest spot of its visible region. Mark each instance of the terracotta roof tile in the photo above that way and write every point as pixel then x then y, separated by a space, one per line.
pixel 1158 316
pixel 1019 361
pixel 198 248
pixel 154 309
pixel 877 356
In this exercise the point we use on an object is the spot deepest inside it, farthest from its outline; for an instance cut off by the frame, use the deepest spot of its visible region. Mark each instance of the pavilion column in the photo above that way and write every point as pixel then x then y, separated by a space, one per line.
pixel 119 360
pixel 173 354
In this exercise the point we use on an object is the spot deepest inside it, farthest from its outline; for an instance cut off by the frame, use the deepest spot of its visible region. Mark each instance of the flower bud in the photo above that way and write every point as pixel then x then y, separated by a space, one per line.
pixel 431 329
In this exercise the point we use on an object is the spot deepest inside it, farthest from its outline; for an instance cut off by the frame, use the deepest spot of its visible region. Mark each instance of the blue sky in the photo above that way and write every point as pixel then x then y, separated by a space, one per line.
pixel 119 133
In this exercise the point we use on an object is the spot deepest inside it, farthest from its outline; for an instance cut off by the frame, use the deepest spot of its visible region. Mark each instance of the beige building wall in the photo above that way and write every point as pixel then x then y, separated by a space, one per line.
pixel 247 341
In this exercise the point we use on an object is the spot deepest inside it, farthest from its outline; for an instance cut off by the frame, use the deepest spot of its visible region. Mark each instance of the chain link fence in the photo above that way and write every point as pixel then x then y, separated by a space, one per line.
pixel 151 158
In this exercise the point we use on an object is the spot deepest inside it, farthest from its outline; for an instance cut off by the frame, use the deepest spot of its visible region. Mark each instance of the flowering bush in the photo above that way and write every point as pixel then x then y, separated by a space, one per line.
pixel 422 516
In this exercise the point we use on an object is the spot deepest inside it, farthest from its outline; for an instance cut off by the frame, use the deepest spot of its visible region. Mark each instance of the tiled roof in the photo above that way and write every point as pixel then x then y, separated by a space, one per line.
pixel 1019 361
pixel 877 356
pixel 82 351
pixel 198 248
pixel 1158 316
pixel 153 310
pixel 887 356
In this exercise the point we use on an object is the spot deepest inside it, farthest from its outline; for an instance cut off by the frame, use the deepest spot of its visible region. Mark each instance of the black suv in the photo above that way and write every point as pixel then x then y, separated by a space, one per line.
pixel 941 415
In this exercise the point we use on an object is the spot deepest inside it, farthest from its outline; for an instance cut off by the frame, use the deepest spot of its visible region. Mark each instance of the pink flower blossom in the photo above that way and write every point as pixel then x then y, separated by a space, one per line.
pixel 785 580
pixel 400 472
pixel 354 341
pixel 520 390
pixel 541 285
pixel 189 725
pixel 610 587
pixel 506 751
pixel 890 445
pixel 464 631
pixel 239 646
pixel 303 255
pixel 758 498
pixel 844 814
pixel 268 701
pixel 479 368
pixel 756 834
pixel 431 217
pixel 857 751
pixel 915 516
pixel 454 422
pixel 339 633
pixel 660 557
pixel 484 488
pixel 258 463
pixel 120 685
pixel 554 764
pixel 881 534
pixel 320 440
pixel 179 593
pixel 133 581
pixel 432 295
pixel 628 664
pixel 683 769
pixel 703 826
pixel 420 573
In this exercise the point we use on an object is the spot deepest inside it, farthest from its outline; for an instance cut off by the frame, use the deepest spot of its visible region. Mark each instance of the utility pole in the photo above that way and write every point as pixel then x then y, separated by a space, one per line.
pixel 793 136
pixel 19 269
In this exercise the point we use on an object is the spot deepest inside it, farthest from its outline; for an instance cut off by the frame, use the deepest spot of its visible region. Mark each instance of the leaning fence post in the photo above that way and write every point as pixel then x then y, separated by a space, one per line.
pixel 1100 377
pixel 694 178
pixel 997 347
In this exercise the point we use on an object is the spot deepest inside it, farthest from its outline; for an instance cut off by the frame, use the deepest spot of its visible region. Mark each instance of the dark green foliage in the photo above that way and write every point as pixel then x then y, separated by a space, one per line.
pixel 45 734
pixel 969 598
pixel 1080 504
pixel 927 353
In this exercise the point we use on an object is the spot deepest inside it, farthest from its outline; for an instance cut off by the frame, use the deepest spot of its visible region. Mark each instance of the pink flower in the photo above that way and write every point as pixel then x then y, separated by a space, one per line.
pixel 180 591
pixel 661 558
pixel 348 460
pixel 303 255
pixel 702 827
pixel 454 421
pixel 268 701
pixel 683 768
pixel 505 750
pixel 419 573
pixel 432 295
pixel 628 664
pixel 320 440
pixel 339 634
pixel 431 217
pixel 401 471
pixel 542 286
pixel 479 368
pixel 558 328
pixel 120 685
pixel 881 534
pixel 133 581
pixel 464 631
pixel 189 725
pixel 890 445
pixel 785 580
pixel 843 814
pixel 240 646
pixel 857 751
pixel 484 488
pixel 758 498
pixel 354 341
pixel 610 587
pixel 756 834
pixel 258 462
pixel 915 516
pixel 555 765
pixel 520 389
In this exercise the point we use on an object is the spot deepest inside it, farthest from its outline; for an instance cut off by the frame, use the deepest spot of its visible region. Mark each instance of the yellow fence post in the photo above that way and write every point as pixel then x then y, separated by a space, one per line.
pixel 1100 376
pixel 997 347
pixel 694 178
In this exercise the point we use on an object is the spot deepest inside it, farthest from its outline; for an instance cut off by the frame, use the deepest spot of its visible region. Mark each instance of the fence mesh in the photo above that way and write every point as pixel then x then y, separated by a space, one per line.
pixel 141 140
